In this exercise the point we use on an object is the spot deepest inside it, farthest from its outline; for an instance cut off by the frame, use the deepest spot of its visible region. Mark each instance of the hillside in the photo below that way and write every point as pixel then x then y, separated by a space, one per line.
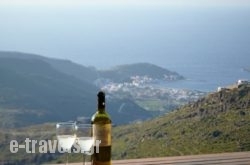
pixel 32 91
pixel 65 66
pixel 219 122
pixel 120 73
pixel 35 89
pixel 146 85
pixel 124 73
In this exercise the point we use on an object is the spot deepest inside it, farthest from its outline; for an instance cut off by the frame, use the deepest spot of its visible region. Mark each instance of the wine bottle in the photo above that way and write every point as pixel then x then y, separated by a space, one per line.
pixel 101 129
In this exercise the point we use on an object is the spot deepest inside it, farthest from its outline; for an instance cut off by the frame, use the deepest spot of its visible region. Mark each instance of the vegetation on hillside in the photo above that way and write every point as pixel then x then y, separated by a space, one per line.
pixel 219 122
pixel 123 73
pixel 36 89
pixel 32 91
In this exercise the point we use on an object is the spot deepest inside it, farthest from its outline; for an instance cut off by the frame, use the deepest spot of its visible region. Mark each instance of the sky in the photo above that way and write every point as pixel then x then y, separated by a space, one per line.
pixel 68 3
pixel 104 33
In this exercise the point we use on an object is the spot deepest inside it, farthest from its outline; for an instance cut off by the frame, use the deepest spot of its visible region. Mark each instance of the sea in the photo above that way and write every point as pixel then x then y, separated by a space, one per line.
pixel 208 80
pixel 208 45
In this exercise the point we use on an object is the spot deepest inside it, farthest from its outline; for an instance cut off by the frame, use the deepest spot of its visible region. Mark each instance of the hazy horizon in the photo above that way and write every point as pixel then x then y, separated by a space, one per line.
pixel 108 33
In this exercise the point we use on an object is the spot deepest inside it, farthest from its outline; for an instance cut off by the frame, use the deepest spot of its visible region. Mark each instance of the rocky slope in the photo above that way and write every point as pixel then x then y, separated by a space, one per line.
pixel 219 122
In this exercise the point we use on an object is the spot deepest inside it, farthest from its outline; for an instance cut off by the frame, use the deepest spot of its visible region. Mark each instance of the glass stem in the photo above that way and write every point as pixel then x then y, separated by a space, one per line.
pixel 67 159
pixel 84 159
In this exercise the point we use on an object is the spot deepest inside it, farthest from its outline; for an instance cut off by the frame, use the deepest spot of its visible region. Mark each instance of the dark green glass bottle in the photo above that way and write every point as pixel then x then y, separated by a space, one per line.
pixel 101 129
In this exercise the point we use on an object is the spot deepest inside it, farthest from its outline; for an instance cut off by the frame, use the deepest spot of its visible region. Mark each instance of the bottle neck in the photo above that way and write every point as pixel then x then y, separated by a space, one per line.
pixel 101 107
pixel 101 101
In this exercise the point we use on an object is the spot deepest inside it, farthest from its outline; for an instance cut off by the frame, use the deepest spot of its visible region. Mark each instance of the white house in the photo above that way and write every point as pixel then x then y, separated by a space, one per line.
pixel 242 82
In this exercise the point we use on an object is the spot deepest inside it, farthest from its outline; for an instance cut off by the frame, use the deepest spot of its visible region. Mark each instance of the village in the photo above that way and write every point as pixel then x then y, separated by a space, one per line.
pixel 143 91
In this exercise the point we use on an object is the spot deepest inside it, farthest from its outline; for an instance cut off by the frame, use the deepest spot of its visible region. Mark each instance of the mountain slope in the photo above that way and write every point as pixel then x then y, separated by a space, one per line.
pixel 35 89
pixel 219 122
pixel 81 72
pixel 125 72
pixel 119 73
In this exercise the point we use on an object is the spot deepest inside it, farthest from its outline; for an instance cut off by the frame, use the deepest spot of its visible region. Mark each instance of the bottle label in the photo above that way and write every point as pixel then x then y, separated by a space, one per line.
pixel 102 132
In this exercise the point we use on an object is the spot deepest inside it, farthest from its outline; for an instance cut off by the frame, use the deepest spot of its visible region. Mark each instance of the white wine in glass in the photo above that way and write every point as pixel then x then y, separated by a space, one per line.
pixel 66 136
pixel 84 139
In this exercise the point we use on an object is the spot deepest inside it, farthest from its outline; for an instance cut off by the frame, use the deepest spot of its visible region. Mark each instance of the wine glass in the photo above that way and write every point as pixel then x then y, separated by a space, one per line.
pixel 66 136
pixel 84 139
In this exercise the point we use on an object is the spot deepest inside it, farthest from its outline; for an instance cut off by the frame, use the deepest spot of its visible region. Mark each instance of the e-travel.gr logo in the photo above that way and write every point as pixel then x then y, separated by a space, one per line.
pixel 50 146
